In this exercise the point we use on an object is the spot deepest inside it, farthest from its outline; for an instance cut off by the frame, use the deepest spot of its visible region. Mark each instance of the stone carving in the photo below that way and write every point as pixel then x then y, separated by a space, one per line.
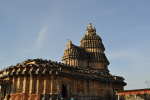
pixel 84 75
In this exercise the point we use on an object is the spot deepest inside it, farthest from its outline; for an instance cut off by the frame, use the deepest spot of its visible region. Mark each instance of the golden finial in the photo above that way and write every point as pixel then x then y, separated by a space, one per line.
pixel 90 25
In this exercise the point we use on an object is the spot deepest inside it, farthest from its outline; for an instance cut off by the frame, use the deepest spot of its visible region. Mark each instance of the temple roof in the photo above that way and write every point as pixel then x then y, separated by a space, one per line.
pixel 40 66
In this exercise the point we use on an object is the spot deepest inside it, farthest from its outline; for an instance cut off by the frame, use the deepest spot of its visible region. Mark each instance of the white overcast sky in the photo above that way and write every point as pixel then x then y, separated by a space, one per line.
pixel 32 29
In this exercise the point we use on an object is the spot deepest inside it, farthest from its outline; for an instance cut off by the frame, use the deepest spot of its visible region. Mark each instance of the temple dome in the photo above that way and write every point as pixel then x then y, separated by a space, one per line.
pixel 91 39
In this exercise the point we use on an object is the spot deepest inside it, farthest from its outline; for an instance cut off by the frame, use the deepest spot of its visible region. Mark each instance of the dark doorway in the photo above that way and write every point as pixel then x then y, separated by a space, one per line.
pixel 4 91
pixel 64 90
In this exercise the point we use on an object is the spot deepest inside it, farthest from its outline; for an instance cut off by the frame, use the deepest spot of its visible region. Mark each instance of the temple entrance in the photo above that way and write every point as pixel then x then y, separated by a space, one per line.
pixel 64 90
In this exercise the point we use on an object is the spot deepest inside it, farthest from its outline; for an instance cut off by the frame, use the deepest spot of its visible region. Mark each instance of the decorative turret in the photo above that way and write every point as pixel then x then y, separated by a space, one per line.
pixel 91 41
pixel 69 42
pixel 90 25
pixel 90 30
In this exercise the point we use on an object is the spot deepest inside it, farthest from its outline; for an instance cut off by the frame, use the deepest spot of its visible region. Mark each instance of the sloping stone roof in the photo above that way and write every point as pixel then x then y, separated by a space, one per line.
pixel 40 66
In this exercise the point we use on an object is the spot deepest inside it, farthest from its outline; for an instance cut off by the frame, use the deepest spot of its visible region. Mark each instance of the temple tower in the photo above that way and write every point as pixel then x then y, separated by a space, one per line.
pixel 89 54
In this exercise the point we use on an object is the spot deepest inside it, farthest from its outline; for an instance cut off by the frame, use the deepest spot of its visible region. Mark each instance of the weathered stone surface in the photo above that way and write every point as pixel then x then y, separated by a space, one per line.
pixel 83 75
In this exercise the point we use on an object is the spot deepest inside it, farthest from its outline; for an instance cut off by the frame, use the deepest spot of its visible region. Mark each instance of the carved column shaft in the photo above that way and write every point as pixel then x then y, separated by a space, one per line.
pixel 38 84
pixel 52 84
pixel 21 84
pixel 32 84
pixel 13 84
pixel 26 84
pixel 46 85
pixel 41 84
pixel 18 85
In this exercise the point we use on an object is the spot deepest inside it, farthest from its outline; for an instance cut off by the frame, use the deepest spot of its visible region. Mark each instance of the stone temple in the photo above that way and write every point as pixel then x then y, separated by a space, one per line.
pixel 83 75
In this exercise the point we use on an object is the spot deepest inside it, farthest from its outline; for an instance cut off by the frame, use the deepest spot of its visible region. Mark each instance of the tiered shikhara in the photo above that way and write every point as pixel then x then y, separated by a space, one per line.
pixel 82 75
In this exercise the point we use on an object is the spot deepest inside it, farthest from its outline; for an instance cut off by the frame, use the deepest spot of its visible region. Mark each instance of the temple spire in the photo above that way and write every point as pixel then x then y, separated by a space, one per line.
pixel 90 25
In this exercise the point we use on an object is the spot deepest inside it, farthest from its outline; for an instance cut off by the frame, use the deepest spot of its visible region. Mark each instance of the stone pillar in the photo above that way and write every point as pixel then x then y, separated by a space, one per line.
pixel 52 88
pixel 18 85
pixel 21 84
pixel 32 84
pixel 26 84
pixel 7 89
pixel 46 84
pixel 13 84
pixel 49 85
pixel 41 84
pixel 52 85
pixel 38 84
pixel 45 88
pixel 58 87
